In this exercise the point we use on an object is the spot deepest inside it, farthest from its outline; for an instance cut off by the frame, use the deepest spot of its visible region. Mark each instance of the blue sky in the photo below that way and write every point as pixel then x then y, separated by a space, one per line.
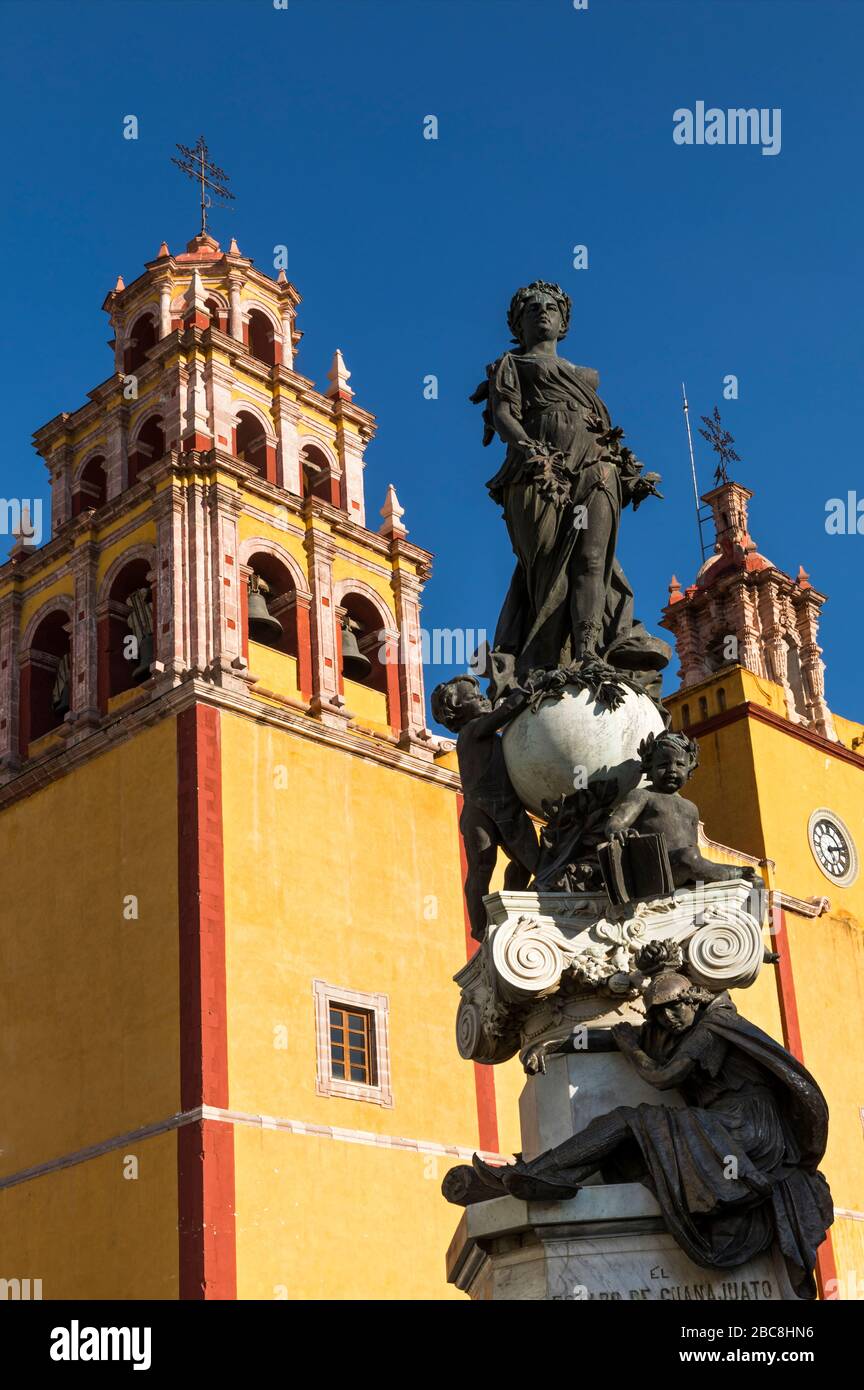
pixel 555 129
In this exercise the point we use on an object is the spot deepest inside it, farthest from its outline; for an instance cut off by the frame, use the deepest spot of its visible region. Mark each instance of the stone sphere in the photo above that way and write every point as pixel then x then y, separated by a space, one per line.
pixel 545 749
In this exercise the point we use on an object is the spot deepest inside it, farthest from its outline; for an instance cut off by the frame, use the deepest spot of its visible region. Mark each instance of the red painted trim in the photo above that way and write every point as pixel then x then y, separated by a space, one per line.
pixel 786 987
pixel 397 717
pixel 340 679
pixel 304 648
pixel 270 462
pixel 484 1076
pixel 197 442
pixel 826 1269
pixel 244 617
pixel 205 1150
pixel 205 1224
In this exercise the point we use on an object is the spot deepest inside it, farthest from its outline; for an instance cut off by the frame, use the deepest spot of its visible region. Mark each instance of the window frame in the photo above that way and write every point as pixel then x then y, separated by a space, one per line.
pixel 380 1091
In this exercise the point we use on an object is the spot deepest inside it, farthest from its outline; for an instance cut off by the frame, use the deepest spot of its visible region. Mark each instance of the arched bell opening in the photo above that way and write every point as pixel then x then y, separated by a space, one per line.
pixel 47 678
pixel 363 643
pixel 250 442
pixel 272 604
pixel 142 337
pixel 369 682
pixel 262 337
pixel 317 475
pixel 218 316
pixel 92 488
pixel 149 446
pixel 128 628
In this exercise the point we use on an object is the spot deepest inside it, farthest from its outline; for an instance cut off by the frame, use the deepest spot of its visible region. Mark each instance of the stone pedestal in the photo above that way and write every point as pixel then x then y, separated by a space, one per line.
pixel 578 1087
pixel 608 1244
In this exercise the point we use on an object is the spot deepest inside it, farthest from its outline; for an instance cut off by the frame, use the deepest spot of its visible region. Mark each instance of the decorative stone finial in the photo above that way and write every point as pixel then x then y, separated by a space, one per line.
pixel 25 532
pixel 282 278
pixel 338 377
pixel 392 512
pixel 163 251
pixel 803 579
pixel 234 249
pixel 675 594
pixel 194 302
pixel 119 287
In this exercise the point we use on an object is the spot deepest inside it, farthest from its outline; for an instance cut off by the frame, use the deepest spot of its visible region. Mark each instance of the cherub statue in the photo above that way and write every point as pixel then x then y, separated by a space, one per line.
pixel 669 760
pixel 492 815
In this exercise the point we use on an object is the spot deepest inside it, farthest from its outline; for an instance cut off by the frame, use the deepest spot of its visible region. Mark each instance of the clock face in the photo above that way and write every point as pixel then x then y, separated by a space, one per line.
pixel 833 847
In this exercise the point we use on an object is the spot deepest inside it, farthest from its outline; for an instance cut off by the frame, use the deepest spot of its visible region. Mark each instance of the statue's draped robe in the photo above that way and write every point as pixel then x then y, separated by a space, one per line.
pixel 751 1101
pixel 554 401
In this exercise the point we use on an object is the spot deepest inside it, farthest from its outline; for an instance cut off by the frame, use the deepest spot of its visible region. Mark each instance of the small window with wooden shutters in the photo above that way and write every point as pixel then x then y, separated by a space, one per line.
pixel 352 1045
pixel 353 1051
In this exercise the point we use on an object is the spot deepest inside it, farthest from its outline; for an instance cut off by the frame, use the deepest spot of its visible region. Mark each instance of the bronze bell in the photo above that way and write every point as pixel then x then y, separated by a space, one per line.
pixel 355 665
pixel 145 657
pixel 263 627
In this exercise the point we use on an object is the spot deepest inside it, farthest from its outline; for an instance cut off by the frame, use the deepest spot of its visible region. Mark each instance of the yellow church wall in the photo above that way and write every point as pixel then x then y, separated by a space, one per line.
pixel 274 670
pixel 145 534
pixel 828 963
pixel 795 778
pixel 725 791
pixel 368 706
pixel 848 731
pixel 90 999
pixel 341 870
pixel 33 603
pixel 88 1232
pixel 252 527
pixel 847 1238
pixel 326 1219
pixel 737 686
pixel 346 568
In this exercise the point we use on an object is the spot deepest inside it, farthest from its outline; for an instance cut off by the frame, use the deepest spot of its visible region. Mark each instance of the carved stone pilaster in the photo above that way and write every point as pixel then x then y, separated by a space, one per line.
pixel 812 666
pixel 406 590
pixel 10 627
pixel 235 312
pixel 226 587
pixel 116 452
pixel 286 416
pixel 171 636
pixel 327 700
pixel 198 580
pixel 84 710
pixel 60 465
pixel 351 448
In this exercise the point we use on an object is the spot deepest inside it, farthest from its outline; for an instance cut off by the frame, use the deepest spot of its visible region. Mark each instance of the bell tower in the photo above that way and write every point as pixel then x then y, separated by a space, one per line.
pixel 203 450
pixel 742 611
pixel 220 811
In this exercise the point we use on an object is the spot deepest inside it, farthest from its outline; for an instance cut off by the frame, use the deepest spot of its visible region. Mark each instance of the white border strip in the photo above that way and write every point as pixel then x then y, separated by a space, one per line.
pixel 240 1117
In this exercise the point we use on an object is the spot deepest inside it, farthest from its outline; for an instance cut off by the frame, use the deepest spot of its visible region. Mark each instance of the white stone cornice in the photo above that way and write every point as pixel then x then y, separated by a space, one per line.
pixel 161 704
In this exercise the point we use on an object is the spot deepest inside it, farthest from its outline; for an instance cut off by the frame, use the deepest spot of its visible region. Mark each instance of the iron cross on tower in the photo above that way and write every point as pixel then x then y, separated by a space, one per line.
pixel 196 164
pixel 721 442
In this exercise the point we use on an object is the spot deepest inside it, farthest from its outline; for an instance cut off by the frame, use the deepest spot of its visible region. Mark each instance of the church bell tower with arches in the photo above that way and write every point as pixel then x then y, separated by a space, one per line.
pixel 230 841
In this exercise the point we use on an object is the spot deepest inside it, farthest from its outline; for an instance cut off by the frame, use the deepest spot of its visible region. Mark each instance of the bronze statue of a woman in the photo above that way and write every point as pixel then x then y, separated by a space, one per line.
pixel 563 484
